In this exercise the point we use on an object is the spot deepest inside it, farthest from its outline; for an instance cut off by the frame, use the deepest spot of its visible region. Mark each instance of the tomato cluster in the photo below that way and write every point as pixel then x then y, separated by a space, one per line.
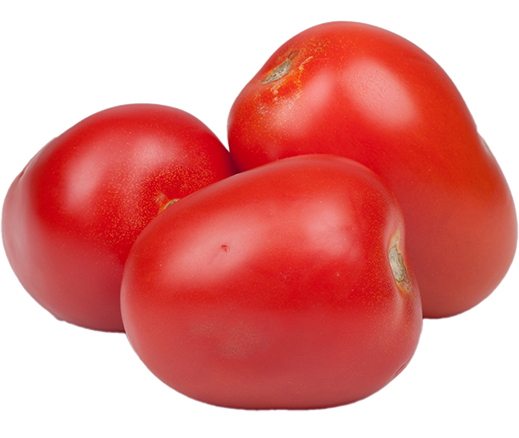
pixel 294 269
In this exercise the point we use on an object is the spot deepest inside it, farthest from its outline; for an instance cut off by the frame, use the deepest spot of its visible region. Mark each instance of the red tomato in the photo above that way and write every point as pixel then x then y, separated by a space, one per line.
pixel 71 216
pixel 367 94
pixel 283 287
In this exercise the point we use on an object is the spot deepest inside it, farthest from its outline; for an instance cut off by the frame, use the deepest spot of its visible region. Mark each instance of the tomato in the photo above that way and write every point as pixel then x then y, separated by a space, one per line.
pixel 364 93
pixel 71 216
pixel 286 286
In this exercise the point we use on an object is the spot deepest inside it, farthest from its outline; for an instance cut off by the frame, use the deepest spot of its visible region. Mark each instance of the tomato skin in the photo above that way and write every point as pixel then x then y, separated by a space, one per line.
pixel 71 216
pixel 367 94
pixel 273 288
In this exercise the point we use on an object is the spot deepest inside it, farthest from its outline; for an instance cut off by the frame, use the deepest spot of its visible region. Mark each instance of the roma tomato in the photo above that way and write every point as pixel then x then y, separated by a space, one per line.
pixel 71 216
pixel 286 286
pixel 361 92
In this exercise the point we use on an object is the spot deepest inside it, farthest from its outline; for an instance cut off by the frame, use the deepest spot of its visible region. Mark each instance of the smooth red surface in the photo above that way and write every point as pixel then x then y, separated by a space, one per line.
pixel 273 288
pixel 71 216
pixel 365 93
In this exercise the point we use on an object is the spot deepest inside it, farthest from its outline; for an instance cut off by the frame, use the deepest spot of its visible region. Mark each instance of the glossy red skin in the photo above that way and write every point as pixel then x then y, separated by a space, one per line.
pixel 71 216
pixel 367 94
pixel 273 289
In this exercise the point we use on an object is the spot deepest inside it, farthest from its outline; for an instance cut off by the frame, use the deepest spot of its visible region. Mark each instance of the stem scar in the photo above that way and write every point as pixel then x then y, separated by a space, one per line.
pixel 281 70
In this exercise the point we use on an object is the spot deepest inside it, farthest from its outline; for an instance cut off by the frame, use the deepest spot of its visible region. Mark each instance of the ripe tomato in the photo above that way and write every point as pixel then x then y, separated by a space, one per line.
pixel 367 94
pixel 286 286
pixel 71 216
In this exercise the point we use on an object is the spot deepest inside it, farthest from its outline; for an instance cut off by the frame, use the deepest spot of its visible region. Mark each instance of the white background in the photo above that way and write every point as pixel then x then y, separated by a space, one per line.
pixel 61 61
